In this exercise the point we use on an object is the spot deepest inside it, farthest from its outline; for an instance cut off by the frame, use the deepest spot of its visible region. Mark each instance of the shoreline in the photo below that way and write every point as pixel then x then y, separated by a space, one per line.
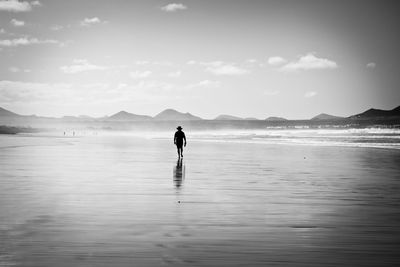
pixel 365 138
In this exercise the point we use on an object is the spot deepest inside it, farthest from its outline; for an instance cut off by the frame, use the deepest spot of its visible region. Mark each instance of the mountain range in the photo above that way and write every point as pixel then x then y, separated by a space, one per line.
pixel 126 116
pixel 324 117
pixel 225 117
pixel 377 113
pixel 275 119
pixel 173 115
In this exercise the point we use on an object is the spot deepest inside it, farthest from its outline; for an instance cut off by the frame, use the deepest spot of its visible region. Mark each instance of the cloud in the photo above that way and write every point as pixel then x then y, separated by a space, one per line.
pixel 271 93
pixel 2 31
pixel 155 63
pixel 276 61
pixel 90 21
pixel 56 96
pixel 173 7
pixel 310 94
pixel 17 23
pixel 175 74
pixel 251 60
pixel 24 41
pixel 27 92
pixel 220 68
pixel 15 6
pixel 56 27
pixel 309 62
pixel 252 63
pixel 14 69
pixel 140 74
pixel 205 84
pixel 36 3
pixel 81 65
pixel 371 65
pixel 154 86
pixel 58 99
pixel 142 62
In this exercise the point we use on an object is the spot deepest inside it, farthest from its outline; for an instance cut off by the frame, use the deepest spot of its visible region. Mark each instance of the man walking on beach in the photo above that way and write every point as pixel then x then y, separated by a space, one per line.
pixel 180 141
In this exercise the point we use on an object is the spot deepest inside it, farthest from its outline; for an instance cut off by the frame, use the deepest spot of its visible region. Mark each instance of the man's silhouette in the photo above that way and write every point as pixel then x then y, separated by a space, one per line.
pixel 180 140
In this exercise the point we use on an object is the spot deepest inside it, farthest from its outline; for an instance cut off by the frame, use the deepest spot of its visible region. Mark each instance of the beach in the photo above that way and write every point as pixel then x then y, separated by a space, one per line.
pixel 121 200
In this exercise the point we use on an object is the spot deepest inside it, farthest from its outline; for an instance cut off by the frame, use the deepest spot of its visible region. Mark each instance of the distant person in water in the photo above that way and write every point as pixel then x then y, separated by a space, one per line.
pixel 180 141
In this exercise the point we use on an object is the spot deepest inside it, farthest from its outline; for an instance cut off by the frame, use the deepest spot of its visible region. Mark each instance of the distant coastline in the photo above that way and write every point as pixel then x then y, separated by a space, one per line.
pixel 174 115
pixel 13 123
pixel 15 130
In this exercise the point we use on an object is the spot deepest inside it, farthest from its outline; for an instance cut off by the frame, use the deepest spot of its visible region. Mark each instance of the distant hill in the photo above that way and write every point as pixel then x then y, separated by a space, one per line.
pixel 7 113
pixel 325 117
pixel 173 115
pixel 85 117
pixel 225 117
pixel 10 118
pixel 76 119
pixel 275 119
pixel 251 119
pixel 67 118
pixel 126 116
pixel 377 113
pixel 15 130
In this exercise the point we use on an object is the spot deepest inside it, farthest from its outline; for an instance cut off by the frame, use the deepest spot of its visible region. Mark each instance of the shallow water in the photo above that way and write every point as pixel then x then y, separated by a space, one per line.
pixel 123 201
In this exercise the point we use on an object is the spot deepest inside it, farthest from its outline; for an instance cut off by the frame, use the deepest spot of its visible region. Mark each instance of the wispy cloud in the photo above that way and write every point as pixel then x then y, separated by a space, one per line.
pixel 371 65
pixel 56 27
pixel 27 92
pixel 271 93
pixel 90 21
pixel 140 74
pixel 173 7
pixel 2 31
pixel 175 74
pixel 142 62
pixel 220 68
pixel 310 94
pixel 16 6
pixel 309 62
pixel 61 98
pixel 252 61
pixel 192 62
pixel 205 84
pixel 81 65
pixel 276 60
pixel 13 69
pixel 17 23
pixel 24 41
pixel 36 3
pixel 155 63
pixel 16 70
pixel 154 87
pixel 57 96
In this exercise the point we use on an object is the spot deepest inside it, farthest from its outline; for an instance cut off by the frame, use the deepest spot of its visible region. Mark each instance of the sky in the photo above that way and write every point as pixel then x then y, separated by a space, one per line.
pixel 248 58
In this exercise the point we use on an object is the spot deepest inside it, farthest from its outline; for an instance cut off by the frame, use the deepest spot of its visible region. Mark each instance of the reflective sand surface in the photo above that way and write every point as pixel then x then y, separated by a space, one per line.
pixel 122 201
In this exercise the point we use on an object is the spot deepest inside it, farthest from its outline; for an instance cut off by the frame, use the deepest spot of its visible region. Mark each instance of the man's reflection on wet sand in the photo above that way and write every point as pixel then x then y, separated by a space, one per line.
pixel 179 173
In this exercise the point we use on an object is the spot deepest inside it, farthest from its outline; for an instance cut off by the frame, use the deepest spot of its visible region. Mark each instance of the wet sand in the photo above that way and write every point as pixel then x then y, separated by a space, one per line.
pixel 122 201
